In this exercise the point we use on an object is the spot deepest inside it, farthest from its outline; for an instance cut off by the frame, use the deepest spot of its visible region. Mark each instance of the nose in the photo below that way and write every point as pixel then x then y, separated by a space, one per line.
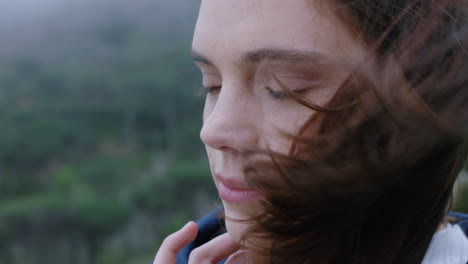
pixel 230 122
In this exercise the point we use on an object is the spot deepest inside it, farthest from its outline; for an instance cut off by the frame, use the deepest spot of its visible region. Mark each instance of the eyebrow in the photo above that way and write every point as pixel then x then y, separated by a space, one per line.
pixel 281 55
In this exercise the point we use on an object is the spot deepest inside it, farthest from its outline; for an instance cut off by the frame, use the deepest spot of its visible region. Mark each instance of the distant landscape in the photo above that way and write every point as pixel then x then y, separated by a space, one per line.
pixel 99 150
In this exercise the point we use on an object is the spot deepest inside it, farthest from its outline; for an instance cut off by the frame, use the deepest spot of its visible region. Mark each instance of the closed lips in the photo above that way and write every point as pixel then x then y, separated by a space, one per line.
pixel 236 191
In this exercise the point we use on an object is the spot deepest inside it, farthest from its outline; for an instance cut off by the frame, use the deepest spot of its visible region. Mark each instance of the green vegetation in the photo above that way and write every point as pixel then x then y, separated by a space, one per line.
pixel 100 156
pixel 461 201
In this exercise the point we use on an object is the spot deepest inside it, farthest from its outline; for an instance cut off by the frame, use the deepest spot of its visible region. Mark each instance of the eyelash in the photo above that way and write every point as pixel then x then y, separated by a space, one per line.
pixel 209 90
pixel 277 95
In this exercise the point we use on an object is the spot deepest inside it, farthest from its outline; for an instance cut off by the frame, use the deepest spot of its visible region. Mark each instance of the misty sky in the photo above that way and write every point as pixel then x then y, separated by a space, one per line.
pixel 37 25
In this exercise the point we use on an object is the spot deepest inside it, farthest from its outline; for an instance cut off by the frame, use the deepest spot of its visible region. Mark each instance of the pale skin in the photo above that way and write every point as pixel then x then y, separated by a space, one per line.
pixel 238 46
pixel 214 251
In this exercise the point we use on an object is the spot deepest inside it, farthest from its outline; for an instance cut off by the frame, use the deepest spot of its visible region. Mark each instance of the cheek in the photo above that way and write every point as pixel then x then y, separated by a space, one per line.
pixel 214 158
pixel 285 121
pixel 284 118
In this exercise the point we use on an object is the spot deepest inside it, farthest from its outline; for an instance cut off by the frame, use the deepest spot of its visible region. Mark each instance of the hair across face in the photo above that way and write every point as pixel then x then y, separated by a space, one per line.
pixel 248 51
pixel 320 107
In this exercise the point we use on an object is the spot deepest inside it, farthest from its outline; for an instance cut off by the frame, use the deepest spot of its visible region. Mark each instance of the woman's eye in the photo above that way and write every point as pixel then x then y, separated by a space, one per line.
pixel 280 95
pixel 277 94
pixel 211 90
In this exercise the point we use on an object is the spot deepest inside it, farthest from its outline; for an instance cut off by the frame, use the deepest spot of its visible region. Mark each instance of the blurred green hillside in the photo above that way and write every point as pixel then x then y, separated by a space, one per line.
pixel 100 156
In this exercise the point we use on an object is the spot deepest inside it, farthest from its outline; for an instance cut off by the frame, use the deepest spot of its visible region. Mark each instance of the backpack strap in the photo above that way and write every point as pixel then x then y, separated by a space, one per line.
pixel 209 226
pixel 462 221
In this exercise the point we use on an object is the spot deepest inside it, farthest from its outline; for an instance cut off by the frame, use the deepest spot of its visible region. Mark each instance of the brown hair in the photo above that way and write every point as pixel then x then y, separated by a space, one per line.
pixel 370 175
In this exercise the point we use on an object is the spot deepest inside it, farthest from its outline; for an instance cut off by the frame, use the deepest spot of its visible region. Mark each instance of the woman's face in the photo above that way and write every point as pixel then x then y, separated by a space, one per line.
pixel 243 48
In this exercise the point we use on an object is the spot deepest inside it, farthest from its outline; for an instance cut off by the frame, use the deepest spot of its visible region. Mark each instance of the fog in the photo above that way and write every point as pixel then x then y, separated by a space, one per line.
pixel 99 125
pixel 48 27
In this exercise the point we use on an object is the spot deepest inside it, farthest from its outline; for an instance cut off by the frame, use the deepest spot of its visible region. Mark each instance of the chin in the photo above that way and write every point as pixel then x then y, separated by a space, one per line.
pixel 236 229
pixel 237 216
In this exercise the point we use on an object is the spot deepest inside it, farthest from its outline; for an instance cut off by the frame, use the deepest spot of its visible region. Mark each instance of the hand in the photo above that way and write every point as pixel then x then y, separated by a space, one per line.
pixel 242 257
pixel 212 252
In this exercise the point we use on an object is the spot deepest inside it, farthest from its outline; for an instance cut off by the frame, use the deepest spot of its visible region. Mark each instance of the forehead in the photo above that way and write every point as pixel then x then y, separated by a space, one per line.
pixel 226 29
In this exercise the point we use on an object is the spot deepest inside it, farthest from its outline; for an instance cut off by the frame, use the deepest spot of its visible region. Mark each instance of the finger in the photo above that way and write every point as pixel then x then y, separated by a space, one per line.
pixel 214 251
pixel 172 244
pixel 244 257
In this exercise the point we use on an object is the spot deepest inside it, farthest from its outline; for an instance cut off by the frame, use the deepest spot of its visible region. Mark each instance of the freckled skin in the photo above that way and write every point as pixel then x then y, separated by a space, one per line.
pixel 243 113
